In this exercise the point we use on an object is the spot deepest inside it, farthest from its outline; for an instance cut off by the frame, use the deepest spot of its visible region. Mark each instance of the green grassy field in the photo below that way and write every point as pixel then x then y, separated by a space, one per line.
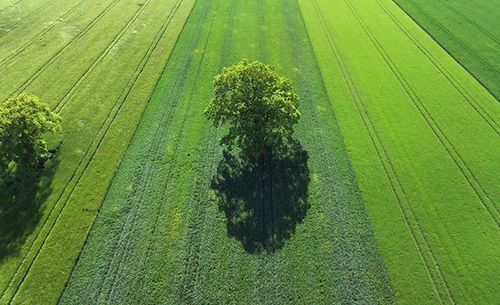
pixel 468 30
pixel 100 94
pixel 389 196
pixel 160 216
pixel 428 178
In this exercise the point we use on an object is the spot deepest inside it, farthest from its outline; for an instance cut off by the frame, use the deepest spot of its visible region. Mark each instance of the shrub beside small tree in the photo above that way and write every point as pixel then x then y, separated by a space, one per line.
pixel 257 104
pixel 23 121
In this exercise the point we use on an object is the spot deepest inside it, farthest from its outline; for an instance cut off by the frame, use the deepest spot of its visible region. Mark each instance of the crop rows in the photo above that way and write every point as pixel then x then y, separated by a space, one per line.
pixel 159 224
pixel 469 37
pixel 57 210
pixel 389 148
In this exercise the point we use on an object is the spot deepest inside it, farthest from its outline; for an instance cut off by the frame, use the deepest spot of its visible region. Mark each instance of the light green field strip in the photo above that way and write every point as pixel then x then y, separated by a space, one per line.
pixel 18 40
pixel 469 30
pixel 112 80
pixel 160 238
pixel 423 137
pixel 22 13
pixel 8 4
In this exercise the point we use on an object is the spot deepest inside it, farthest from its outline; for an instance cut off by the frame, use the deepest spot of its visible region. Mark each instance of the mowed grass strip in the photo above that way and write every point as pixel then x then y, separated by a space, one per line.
pixel 469 31
pixel 425 154
pixel 160 237
pixel 95 137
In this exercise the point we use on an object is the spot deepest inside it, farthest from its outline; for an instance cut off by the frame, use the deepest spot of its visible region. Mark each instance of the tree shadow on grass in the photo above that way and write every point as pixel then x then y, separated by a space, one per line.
pixel 21 197
pixel 264 199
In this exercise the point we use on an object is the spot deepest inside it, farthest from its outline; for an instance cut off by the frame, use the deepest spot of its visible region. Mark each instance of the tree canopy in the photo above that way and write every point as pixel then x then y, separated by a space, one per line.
pixel 23 121
pixel 257 104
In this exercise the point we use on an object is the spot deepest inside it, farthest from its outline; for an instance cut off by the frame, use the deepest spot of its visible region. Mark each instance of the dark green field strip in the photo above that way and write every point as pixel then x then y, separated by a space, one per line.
pixel 10 48
pixel 442 190
pixel 472 38
pixel 23 14
pixel 76 196
pixel 160 237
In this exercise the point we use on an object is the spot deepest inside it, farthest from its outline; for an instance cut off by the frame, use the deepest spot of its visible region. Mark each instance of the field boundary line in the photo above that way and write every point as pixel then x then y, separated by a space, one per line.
pixel 420 106
pixel 389 170
pixel 15 53
pixel 449 76
pixel 38 10
pixel 56 56
pixel 113 114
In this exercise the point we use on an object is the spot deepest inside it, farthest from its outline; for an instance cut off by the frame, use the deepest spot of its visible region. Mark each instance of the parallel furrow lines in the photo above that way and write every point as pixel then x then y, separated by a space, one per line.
pixel 132 214
pixel 81 168
pixel 466 48
pixel 156 152
pixel 482 195
pixel 192 265
pixel 449 76
pixel 401 198
pixel 14 54
pixel 472 22
pixel 59 53
pixel 13 27
pixel 104 53
pixel 10 6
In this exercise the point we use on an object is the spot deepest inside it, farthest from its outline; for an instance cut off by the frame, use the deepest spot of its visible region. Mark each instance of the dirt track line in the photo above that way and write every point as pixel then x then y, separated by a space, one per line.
pixel 14 54
pixel 438 132
pixel 449 76
pixel 389 171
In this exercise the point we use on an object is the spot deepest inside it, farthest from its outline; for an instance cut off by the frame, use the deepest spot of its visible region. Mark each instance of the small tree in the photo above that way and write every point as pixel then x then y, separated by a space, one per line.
pixel 23 121
pixel 257 104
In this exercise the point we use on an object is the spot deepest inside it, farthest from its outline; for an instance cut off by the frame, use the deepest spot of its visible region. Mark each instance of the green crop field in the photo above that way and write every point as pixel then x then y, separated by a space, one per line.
pixel 391 194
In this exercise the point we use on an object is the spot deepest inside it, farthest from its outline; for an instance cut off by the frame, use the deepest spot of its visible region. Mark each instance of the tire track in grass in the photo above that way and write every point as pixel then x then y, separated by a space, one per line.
pixel 132 216
pixel 472 22
pixel 407 212
pixel 85 161
pixel 448 75
pixel 58 54
pixel 15 53
pixel 156 155
pixel 10 6
pixel 466 48
pixel 469 176
pixel 104 53
pixel 37 11
pixel 192 259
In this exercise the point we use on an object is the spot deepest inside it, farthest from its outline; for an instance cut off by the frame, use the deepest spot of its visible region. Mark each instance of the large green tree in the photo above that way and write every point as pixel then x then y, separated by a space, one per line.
pixel 23 121
pixel 259 107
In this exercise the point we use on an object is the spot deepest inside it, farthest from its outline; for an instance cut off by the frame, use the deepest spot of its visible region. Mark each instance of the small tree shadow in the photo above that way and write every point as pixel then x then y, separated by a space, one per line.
pixel 264 199
pixel 21 197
